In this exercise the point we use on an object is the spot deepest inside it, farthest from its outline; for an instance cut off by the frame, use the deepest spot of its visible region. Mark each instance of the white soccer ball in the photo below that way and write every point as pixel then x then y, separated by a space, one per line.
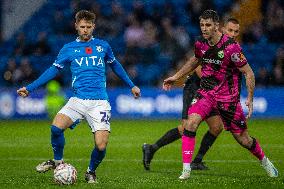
pixel 65 174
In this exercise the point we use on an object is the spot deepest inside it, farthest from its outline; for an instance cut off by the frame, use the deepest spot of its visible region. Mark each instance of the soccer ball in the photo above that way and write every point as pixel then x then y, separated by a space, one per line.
pixel 65 174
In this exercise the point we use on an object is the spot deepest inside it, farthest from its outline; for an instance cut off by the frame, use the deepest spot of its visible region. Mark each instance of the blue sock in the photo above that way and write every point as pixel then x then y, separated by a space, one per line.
pixel 96 158
pixel 57 142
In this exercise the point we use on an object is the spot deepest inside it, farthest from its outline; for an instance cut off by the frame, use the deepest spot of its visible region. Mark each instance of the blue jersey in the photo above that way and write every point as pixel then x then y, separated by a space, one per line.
pixel 87 61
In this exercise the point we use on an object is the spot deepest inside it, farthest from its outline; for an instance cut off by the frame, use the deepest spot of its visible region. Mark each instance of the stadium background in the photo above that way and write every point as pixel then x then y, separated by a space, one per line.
pixel 151 39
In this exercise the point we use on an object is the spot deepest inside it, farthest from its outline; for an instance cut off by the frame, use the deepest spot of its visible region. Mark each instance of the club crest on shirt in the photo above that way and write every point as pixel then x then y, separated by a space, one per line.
pixel 221 54
pixel 99 48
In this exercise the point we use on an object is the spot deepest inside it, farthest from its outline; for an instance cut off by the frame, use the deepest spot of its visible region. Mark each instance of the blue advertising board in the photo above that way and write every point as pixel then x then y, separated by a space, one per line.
pixel 154 103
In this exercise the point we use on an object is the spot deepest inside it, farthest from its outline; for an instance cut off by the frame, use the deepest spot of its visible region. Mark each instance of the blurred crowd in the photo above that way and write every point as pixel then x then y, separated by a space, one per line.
pixel 151 40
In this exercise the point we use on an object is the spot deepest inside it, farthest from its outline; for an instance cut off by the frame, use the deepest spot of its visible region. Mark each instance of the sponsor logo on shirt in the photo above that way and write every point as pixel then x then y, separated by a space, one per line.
pixel 90 61
pixel 212 61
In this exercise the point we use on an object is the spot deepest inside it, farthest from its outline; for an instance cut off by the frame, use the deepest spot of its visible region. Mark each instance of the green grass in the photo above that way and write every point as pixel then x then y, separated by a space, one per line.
pixel 24 144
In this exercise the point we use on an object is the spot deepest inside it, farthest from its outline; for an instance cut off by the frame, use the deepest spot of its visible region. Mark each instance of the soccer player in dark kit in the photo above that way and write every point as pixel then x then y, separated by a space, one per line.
pixel 223 64
pixel 232 29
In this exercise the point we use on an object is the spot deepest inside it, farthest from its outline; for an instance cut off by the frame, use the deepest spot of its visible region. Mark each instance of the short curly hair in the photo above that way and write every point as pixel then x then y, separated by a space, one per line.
pixel 85 15
pixel 210 14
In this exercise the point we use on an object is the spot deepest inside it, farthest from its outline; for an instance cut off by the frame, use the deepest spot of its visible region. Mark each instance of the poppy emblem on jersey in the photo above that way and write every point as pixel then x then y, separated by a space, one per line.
pixel 221 54
pixel 88 50
pixel 99 48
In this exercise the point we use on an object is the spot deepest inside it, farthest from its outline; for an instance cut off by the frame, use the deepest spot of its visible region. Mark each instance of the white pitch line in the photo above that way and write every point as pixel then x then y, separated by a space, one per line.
pixel 121 145
pixel 133 160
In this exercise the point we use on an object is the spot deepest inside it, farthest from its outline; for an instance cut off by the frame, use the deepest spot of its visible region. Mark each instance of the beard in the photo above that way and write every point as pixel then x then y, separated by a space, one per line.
pixel 85 37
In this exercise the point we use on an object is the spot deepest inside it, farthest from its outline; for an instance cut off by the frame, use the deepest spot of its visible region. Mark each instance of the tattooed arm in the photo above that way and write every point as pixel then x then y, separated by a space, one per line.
pixel 250 83
pixel 188 68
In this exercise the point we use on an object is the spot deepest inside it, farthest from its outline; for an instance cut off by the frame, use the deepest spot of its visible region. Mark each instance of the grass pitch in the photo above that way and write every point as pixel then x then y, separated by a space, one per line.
pixel 24 144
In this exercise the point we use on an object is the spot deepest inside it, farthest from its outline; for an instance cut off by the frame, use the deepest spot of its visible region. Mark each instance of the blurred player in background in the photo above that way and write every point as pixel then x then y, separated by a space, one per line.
pixel 192 84
pixel 54 99
pixel 87 58
pixel 222 63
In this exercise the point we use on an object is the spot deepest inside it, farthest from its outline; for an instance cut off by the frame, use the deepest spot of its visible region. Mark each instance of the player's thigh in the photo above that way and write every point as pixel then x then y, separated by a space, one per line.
pixel 101 139
pixel 215 124
pixel 70 113
pixel 62 121
pixel 98 115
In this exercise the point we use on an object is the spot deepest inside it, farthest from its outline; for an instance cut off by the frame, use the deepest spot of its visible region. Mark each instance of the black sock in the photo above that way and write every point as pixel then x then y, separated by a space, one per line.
pixel 169 137
pixel 207 141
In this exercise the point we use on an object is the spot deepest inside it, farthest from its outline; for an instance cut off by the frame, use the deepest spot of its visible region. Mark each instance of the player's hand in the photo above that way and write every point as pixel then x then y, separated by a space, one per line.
pixel 23 92
pixel 249 104
pixel 169 82
pixel 136 92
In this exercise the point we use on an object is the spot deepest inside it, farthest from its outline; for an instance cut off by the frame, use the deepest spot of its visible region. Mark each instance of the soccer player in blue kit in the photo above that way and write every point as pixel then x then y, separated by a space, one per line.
pixel 87 58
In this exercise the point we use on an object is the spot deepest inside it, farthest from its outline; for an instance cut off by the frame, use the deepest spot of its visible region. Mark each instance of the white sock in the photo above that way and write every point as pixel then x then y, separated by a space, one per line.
pixel 88 170
pixel 264 159
pixel 186 166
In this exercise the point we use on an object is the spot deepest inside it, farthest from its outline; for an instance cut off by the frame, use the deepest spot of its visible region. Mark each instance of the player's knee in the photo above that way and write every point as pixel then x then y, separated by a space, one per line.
pixel 248 143
pixel 253 143
pixel 56 131
pixel 245 142
pixel 180 128
pixel 216 130
pixel 191 125
pixel 62 121
pixel 101 146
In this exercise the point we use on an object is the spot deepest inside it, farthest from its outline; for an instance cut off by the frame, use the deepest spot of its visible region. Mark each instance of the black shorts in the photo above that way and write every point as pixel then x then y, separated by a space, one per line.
pixel 189 92
pixel 188 96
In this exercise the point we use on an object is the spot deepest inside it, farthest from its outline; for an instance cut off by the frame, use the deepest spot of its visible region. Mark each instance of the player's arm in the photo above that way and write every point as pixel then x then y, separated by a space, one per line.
pixel 121 73
pixel 187 68
pixel 49 74
pixel 240 61
pixel 198 71
pixel 250 83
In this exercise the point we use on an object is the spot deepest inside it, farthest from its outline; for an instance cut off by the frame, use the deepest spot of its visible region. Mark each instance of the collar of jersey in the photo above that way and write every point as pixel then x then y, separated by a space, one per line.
pixel 78 40
pixel 217 42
